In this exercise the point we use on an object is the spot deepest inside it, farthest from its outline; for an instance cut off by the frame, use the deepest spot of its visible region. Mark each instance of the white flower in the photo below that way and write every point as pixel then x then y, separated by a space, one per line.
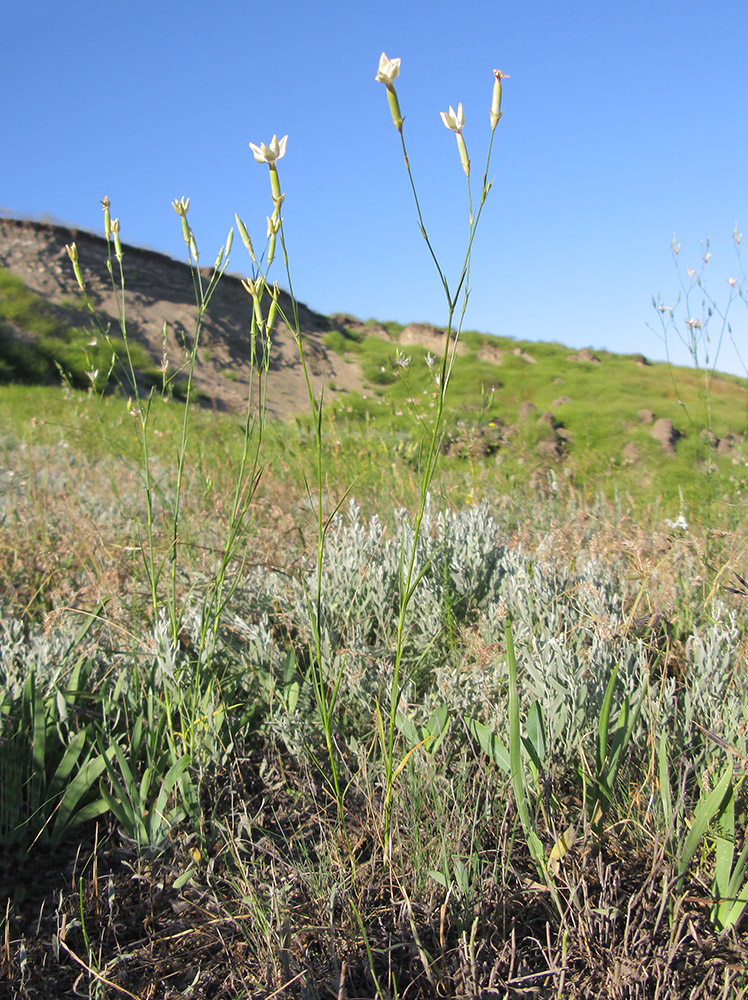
pixel 732 282
pixel 454 120
pixel 388 70
pixel 269 154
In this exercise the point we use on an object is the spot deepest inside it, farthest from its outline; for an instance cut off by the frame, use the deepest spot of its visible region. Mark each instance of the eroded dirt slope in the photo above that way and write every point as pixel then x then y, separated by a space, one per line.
pixel 159 290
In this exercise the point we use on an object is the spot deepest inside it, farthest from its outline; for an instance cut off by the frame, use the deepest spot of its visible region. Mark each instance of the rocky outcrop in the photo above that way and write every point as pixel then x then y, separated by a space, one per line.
pixel 520 353
pixel 430 337
pixel 585 355
pixel 492 355
pixel 664 432
pixel 344 321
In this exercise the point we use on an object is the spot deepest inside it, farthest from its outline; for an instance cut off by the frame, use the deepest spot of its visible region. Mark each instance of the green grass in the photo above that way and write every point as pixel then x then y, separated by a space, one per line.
pixel 601 416
pixel 51 347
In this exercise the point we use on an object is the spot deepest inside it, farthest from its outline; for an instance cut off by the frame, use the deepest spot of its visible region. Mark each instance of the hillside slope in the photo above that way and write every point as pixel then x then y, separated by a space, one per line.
pixel 525 405
pixel 159 291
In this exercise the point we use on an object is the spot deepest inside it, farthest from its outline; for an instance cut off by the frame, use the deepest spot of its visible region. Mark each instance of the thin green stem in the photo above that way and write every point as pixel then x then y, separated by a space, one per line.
pixel 410 580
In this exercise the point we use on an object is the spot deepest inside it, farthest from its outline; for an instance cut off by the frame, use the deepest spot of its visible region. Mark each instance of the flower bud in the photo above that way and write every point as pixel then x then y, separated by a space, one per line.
pixel 245 237
pixel 274 224
pixel 495 112
pixel 273 309
pixel 72 250
pixel 117 245
pixel 107 218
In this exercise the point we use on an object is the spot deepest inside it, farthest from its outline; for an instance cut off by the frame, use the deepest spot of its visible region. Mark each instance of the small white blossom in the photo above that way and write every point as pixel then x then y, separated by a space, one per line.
pixel 269 154
pixel 454 120
pixel 389 70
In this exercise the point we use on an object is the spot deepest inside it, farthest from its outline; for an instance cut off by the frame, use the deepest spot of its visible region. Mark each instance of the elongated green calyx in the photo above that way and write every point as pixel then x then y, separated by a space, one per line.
pixel 495 112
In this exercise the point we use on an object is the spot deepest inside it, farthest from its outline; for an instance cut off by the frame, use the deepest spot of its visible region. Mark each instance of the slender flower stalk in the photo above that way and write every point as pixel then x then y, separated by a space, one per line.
pixel 325 681
pixel 411 577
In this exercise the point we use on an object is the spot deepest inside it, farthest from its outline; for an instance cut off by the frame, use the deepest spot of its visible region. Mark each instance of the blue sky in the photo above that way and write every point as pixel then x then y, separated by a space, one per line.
pixel 623 124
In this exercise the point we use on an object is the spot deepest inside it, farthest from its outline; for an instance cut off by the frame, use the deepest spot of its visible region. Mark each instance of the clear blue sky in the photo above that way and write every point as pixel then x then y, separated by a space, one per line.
pixel 623 123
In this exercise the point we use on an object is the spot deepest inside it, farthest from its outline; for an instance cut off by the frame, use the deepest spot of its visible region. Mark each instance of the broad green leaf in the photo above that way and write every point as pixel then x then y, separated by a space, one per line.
pixel 709 806
pixel 604 721
pixel 78 788
pixel 535 728
pixel 439 878
pixel 665 790
pixel 69 759
pixel 489 743
pixel 436 728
